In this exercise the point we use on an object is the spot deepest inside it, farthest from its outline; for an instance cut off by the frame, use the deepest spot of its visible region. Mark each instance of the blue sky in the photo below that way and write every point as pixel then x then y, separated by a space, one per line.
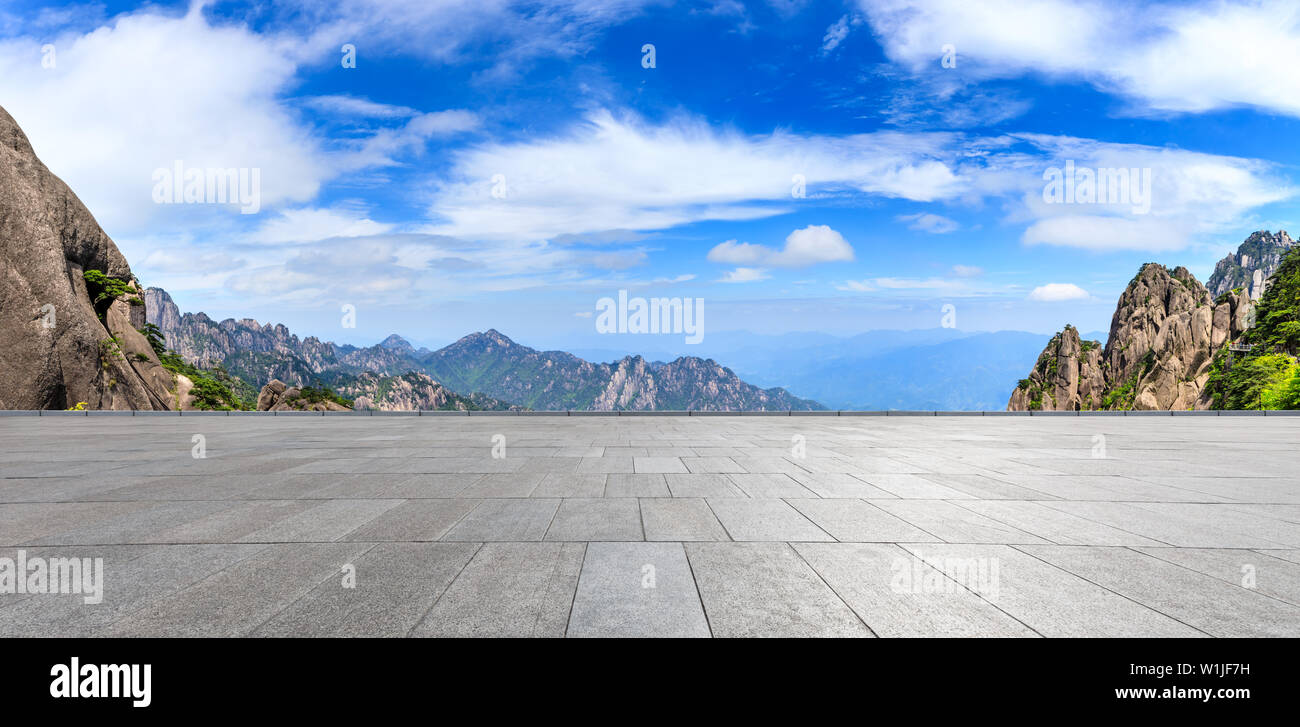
pixel 924 180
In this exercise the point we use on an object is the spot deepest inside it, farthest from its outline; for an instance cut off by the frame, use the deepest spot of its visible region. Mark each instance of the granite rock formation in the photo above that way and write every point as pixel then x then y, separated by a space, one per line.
pixel 68 341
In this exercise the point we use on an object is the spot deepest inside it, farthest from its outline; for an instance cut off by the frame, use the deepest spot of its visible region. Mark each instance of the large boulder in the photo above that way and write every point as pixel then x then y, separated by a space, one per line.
pixel 278 396
pixel 63 344
pixel 270 395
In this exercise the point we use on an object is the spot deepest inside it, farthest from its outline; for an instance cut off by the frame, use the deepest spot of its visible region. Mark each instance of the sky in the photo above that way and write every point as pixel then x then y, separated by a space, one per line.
pixel 434 168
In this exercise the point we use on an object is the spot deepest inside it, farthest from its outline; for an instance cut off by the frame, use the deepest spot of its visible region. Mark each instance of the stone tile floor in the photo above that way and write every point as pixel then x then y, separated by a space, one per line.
pixel 658 526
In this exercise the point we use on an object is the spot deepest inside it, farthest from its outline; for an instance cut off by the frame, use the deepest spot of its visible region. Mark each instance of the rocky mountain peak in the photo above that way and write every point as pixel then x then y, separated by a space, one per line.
pixel 1163 335
pixel 1067 376
pixel 1251 265
pixel 162 310
pixel 397 343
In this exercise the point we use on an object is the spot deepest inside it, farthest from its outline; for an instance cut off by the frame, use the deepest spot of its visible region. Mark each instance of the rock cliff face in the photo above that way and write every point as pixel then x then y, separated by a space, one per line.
pixel 204 342
pixel 1163 336
pixel 411 391
pixel 1252 265
pixel 67 340
pixel 633 383
pixel 1162 339
pixel 1067 376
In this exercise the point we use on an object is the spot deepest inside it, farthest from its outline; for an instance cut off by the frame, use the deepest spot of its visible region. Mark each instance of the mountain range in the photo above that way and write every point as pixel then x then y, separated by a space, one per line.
pixel 485 370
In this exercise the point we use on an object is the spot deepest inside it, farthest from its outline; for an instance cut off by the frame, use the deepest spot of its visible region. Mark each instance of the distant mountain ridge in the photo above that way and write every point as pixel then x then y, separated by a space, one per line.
pixel 485 370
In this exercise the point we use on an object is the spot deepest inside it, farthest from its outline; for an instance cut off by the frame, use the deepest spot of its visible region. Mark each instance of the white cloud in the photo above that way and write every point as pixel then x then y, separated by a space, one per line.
pixel 744 275
pixel 967 271
pixel 1191 194
pixel 918 283
pixel 813 244
pixel 808 246
pixel 926 222
pixel 1057 292
pixel 738 253
pixel 353 106
pixel 835 35
pixel 855 286
pixel 149 89
pixel 447 30
pixel 1189 57
pixel 177 260
pixel 617 259
pixel 608 173
pixel 309 225
pixel 392 146
pixel 1106 233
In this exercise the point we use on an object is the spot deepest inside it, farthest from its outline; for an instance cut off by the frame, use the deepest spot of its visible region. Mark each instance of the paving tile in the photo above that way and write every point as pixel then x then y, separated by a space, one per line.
pixel 1166 527
pixel 839 485
pixel 303 487
pixel 58 614
pixel 509 589
pixel 606 465
pixel 680 518
pixel 25 522
pixel 771 464
pixel 634 485
pixel 1225 517
pixel 395 584
pixel 328 521
pixel 855 521
pixel 415 521
pixel 767 485
pixel 236 521
pixel 501 519
pixel 1209 604
pixel 707 465
pixel 1053 525
pixel 766 589
pixel 585 519
pixel 1259 571
pixel 136 526
pixel 1052 601
pixel 558 465
pixel 953 523
pixel 897 594
pixel 702 486
pixel 238 599
pixel 658 465
pixel 764 520
pixel 401 486
pixel 987 488
pixel 915 487
pixel 637 590
pixel 519 484
pixel 571 485
pixel 1289 555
